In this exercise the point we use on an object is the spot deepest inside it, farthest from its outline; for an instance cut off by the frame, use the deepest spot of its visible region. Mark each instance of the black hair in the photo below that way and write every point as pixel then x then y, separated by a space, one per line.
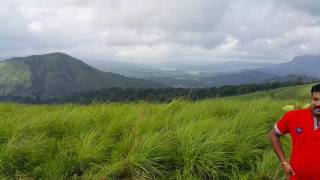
pixel 315 88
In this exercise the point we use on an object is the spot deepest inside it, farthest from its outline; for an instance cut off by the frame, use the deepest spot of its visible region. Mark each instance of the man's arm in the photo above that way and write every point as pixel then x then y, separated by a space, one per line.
pixel 277 147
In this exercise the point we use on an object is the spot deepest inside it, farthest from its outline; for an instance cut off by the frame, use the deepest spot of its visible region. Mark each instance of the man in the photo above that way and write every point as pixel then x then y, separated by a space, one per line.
pixel 303 126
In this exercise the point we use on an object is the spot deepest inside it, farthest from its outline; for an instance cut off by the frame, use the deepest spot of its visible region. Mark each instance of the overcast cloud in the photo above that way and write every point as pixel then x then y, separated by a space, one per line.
pixel 162 30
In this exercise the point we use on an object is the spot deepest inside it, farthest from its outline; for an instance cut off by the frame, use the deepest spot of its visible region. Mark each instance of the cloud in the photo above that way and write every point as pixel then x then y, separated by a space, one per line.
pixel 161 30
pixel 311 7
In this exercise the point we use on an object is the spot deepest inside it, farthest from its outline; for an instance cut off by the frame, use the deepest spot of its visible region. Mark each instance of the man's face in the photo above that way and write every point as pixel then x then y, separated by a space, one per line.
pixel 316 103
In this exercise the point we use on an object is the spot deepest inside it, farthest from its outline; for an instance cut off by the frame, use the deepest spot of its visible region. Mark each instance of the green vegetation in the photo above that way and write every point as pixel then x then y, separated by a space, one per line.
pixel 14 77
pixel 162 95
pixel 165 94
pixel 223 138
pixel 13 73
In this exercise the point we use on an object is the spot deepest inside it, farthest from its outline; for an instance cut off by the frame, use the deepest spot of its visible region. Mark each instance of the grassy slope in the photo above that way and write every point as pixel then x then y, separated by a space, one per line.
pixel 300 93
pixel 222 138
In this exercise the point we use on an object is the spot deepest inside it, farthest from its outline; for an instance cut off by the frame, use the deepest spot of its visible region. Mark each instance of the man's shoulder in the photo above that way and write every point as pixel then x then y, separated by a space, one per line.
pixel 304 111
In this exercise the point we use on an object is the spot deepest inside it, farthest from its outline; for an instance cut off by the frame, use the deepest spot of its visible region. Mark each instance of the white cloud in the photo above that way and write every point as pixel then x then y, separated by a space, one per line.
pixel 35 26
pixel 161 30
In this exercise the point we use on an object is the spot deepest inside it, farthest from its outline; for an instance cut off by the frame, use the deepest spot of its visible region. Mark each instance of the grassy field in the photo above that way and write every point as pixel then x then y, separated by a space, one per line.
pixel 212 139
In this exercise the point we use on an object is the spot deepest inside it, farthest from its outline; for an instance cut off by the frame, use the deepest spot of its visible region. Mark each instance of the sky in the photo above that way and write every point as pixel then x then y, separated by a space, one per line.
pixel 161 31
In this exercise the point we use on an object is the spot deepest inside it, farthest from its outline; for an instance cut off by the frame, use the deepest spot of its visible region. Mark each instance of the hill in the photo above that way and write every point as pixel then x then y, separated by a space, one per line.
pixel 56 74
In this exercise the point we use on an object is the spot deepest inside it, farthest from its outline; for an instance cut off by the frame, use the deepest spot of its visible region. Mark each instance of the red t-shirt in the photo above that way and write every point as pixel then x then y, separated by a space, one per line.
pixel 305 154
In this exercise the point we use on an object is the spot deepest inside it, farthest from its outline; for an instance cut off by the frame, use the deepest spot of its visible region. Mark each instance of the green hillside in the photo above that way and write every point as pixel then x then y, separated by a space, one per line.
pixel 299 92
pixel 58 75
pixel 211 139
pixel 14 78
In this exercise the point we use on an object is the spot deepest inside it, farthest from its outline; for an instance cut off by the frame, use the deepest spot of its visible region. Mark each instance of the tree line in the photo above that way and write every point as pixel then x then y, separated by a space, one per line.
pixel 151 95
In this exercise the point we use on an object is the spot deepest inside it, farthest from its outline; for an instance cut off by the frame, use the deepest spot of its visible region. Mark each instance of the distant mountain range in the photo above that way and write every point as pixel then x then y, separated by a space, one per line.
pixel 57 75
pixel 244 77
pixel 189 74
pixel 292 77
pixel 302 65
pixel 184 70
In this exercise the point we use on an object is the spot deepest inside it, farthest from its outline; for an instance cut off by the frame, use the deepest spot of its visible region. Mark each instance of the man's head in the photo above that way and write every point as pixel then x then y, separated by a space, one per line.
pixel 315 102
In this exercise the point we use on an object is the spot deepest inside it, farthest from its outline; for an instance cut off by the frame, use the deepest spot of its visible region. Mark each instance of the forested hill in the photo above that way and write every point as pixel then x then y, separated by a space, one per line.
pixel 57 75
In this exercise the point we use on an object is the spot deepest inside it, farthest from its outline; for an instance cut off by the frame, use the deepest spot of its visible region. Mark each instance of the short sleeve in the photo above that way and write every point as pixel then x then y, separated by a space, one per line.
pixel 282 126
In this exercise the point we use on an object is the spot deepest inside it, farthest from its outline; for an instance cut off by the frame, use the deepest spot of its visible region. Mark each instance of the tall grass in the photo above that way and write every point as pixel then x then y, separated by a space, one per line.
pixel 211 139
